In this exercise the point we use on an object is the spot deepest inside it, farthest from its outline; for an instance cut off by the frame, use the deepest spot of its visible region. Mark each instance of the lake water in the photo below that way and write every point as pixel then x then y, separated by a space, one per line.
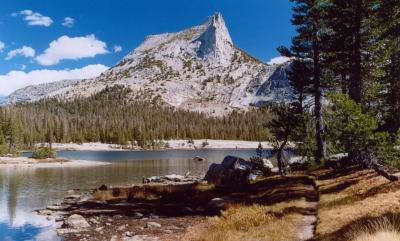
pixel 23 190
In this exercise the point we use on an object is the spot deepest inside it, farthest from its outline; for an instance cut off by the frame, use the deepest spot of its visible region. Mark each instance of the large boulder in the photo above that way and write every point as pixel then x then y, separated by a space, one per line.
pixel 234 162
pixel 233 171
pixel 298 163
pixel 77 222
pixel 339 160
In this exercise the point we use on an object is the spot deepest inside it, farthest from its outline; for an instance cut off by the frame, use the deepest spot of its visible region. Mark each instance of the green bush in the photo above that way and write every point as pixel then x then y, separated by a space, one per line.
pixel 352 130
pixel 3 149
pixel 44 152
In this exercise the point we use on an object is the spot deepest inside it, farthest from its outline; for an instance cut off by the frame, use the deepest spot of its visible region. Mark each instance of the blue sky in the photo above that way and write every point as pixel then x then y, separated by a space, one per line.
pixel 45 39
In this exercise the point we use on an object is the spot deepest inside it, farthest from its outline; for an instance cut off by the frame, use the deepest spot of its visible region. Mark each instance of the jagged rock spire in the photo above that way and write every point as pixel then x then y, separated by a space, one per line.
pixel 216 43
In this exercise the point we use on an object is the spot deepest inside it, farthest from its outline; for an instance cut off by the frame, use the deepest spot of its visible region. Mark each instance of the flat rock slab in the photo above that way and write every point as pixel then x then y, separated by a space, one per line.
pixel 153 225
pixel 57 208
pixel 76 221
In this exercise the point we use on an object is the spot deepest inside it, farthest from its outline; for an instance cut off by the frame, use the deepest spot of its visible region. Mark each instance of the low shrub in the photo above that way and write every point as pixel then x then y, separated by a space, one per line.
pixel 43 153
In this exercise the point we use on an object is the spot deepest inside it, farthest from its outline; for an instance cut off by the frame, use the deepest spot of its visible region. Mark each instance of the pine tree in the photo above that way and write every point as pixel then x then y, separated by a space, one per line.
pixel 387 27
pixel 346 39
pixel 12 133
pixel 306 47
pixel 283 128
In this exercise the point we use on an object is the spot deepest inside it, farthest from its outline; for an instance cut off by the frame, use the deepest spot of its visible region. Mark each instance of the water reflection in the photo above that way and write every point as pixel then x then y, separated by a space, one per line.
pixel 17 221
pixel 23 190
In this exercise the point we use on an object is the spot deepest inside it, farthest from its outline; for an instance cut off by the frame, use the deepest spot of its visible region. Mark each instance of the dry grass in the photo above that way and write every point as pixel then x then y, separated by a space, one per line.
pixel 368 196
pixel 149 191
pixel 113 194
pixel 255 222
pixel 381 229
pixel 379 236
pixel 271 209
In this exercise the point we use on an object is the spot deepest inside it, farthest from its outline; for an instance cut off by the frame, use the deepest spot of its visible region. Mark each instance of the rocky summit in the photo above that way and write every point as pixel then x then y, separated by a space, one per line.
pixel 198 69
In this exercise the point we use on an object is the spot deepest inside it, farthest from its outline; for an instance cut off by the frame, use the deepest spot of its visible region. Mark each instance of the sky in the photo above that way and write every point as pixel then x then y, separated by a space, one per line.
pixel 49 40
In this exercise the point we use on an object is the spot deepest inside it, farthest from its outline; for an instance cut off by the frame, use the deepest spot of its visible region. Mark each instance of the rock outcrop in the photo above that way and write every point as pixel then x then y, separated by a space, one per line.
pixel 233 171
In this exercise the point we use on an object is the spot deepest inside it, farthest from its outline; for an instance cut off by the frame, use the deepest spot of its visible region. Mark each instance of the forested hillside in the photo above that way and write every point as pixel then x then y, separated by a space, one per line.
pixel 111 117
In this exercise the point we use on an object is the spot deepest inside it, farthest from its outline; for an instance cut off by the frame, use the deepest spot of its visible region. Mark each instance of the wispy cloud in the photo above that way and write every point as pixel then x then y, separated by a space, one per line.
pixel 17 79
pixel 117 48
pixel 25 51
pixel 34 18
pixel 2 45
pixel 72 48
pixel 68 22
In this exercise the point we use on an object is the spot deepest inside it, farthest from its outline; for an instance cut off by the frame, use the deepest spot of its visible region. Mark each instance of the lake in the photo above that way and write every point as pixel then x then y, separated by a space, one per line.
pixel 24 190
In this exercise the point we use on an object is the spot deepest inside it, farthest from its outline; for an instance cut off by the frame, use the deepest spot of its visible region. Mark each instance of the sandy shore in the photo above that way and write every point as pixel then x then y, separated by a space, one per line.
pixel 46 163
pixel 172 145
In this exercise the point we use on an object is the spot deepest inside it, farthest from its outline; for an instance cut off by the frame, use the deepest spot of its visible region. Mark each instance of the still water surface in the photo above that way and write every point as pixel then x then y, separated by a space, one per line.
pixel 23 190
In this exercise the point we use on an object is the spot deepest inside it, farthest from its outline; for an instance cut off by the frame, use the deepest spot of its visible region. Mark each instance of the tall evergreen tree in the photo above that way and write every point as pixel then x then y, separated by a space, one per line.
pixel 387 29
pixel 306 47
pixel 12 132
pixel 346 39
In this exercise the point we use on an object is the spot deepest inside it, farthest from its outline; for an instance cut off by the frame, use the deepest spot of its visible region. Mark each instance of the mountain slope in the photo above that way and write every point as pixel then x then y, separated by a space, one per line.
pixel 198 69
pixel 36 92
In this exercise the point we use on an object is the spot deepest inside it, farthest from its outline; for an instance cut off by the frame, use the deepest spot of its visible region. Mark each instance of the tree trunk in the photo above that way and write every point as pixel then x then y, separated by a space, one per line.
pixel 320 152
pixel 369 160
pixel 381 171
pixel 279 157
pixel 344 83
pixel 392 122
pixel 356 83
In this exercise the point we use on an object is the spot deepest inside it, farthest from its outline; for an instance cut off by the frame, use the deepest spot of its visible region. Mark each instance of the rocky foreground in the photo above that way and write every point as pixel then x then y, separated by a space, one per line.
pixel 173 207
pixel 342 203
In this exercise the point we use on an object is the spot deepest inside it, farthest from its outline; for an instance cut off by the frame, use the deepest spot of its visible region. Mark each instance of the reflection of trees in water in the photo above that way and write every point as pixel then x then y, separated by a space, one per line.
pixel 13 186
pixel 20 187
pixel 2 183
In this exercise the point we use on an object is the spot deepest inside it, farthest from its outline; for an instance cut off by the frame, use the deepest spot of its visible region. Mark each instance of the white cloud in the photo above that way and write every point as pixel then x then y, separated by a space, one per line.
pixel 23 67
pixel 17 79
pixel 72 48
pixel 2 45
pixel 25 51
pixel 68 22
pixel 117 48
pixel 278 60
pixel 34 18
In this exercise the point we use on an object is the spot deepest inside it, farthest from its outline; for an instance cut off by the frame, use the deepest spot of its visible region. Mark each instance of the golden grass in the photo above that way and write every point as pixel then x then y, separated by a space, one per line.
pixel 381 229
pixel 148 191
pixel 255 222
pixel 108 195
pixel 369 195
pixel 379 236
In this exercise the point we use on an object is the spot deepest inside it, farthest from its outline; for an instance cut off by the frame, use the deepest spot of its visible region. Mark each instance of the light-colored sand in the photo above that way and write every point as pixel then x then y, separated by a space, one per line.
pixel 172 144
pixel 11 162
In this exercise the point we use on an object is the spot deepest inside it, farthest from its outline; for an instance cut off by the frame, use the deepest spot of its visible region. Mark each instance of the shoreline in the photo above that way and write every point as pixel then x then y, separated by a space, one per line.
pixel 20 162
pixel 172 145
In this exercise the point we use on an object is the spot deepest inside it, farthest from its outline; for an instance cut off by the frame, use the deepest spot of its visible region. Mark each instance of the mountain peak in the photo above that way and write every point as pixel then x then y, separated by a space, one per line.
pixel 217 23
pixel 216 42
pixel 197 69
